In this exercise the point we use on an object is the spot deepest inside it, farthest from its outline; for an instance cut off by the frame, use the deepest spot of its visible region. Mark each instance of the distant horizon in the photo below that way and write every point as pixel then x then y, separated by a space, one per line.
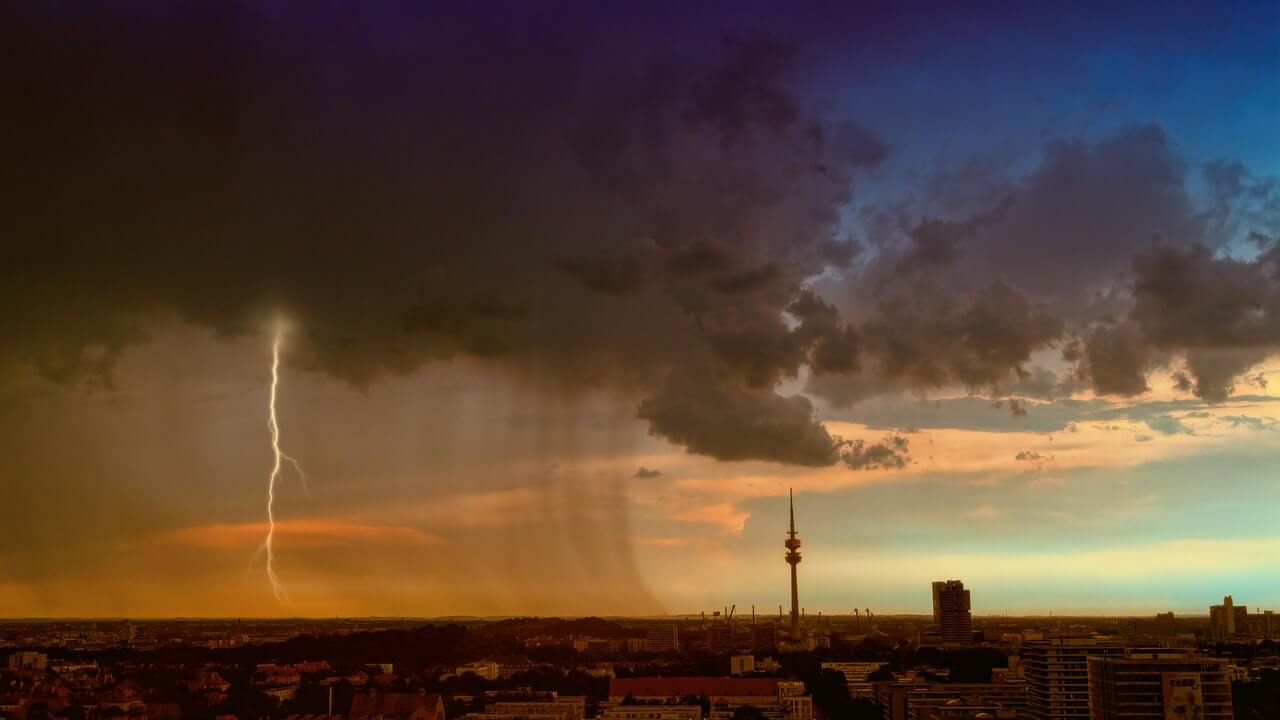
pixel 688 617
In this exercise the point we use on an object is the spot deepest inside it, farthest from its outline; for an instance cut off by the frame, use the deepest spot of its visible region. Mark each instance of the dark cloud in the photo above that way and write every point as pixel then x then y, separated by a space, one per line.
pixel 929 340
pixel 936 244
pixel 1077 218
pixel 1116 359
pixel 890 454
pixel 733 422
pixel 586 209
pixel 646 473
pixel 1221 313
pixel 1182 382
pixel 407 187
pixel 1031 456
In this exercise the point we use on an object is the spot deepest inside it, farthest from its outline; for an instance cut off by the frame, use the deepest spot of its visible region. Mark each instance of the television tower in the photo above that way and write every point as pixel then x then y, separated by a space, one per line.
pixel 793 558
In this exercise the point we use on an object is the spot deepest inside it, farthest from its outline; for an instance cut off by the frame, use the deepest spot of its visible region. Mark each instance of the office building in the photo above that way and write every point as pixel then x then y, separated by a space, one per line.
pixel 917 699
pixel 1057 673
pixel 954 619
pixel 1159 685
pixel 764 637
pixel 720 636
pixel 938 586
pixel 742 664
pixel 1227 619
pixel 662 638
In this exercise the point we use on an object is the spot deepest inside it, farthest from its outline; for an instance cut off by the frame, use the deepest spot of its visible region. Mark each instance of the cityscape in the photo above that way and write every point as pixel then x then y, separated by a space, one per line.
pixel 718 666
pixel 645 360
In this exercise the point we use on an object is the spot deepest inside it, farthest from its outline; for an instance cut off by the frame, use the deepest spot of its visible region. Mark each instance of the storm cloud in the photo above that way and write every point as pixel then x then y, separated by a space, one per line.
pixel 679 222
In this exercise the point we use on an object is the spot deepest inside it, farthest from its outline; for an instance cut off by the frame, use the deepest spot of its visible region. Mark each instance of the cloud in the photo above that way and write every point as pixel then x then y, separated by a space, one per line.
pixel 1168 425
pixel 1253 423
pixel 399 221
pixel 732 422
pixel 646 473
pixel 1031 456
pixel 1220 313
pixel 682 228
pixel 889 454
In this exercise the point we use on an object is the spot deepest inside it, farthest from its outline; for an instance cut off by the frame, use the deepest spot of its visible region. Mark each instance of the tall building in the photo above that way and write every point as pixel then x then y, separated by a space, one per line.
pixel 662 638
pixel 720 636
pixel 954 619
pixel 938 586
pixel 793 558
pixel 764 637
pixel 1158 685
pixel 1057 672
pixel 1227 619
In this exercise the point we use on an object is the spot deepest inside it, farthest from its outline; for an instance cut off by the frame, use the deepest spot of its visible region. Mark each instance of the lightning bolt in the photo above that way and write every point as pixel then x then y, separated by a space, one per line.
pixel 273 425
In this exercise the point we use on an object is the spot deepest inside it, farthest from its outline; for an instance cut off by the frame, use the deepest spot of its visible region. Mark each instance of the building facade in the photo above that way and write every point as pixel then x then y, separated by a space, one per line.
pixel 1159 685
pixel 662 638
pixel 1057 673
pixel 1227 619
pixel 955 622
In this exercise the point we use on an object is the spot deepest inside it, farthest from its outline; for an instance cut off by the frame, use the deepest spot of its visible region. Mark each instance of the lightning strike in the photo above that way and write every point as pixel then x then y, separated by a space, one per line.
pixel 273 425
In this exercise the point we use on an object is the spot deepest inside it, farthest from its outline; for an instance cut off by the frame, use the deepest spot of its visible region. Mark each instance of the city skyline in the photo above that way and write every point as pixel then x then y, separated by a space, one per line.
pixel 558 306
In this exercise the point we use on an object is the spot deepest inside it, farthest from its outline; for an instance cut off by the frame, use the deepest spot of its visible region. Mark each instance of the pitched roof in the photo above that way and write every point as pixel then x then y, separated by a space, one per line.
pixel 682 686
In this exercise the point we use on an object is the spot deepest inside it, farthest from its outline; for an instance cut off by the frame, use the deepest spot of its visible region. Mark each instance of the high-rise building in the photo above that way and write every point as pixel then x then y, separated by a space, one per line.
pixel 793 558
pixel 720 636
pixel 662 638
pixel 938 585
pixel 1227 619
pixel 954 619
pixel 1159 684
pixel 1057 672
pixel 764 637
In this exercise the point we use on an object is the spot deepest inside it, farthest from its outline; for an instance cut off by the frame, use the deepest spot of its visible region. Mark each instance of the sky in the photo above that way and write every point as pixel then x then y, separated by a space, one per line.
pixel 569 296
